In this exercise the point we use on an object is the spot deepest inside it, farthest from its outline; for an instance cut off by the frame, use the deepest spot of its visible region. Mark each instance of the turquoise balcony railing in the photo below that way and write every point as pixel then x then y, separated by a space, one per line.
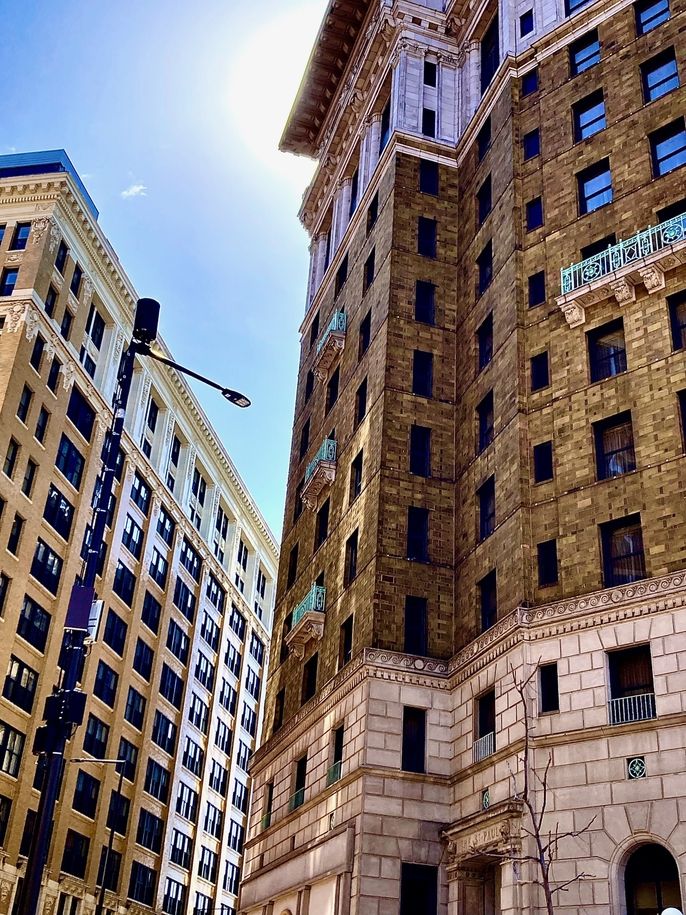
pixel 327 452
pixel 337 325
pixel 315 600
pixel 623 254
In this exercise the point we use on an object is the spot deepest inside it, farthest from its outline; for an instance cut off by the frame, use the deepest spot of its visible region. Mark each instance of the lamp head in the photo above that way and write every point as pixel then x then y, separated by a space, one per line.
pixel 239 400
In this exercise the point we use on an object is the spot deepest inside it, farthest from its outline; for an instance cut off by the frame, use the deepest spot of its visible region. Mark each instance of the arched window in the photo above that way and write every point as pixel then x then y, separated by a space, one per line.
pixel 651 880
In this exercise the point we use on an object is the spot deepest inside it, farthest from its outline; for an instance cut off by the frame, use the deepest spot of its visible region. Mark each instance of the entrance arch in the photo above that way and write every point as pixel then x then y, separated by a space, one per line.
pixel 651 880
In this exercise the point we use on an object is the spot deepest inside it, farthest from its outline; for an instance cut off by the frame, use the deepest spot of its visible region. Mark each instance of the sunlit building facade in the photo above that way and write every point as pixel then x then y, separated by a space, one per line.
pixel 187 578
pixel 487 469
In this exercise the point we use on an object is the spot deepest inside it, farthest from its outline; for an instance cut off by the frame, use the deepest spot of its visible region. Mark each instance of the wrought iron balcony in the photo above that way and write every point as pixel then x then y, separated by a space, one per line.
pixel 484 746
pixel 632 708
pixel 308 620
pixel 334 773
pixel 297 799
pixel 320 472
pixel 643 258
pixel 330 345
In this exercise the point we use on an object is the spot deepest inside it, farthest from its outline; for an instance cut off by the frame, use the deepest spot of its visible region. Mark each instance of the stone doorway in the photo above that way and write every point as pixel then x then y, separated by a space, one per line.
pixel 651 881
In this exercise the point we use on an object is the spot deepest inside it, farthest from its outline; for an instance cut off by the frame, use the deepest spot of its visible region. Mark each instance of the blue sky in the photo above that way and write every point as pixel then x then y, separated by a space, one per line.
pixel 182 105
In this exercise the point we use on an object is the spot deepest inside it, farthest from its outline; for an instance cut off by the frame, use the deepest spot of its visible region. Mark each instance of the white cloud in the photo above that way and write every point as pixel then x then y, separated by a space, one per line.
pixel 134 190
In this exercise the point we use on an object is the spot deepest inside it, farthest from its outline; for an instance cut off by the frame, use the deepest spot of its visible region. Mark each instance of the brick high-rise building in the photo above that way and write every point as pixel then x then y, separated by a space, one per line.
pixel 188 574
pixel 487 472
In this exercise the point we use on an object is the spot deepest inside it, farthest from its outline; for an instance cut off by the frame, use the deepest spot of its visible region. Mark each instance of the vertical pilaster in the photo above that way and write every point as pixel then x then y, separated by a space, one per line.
pixel 474 76
pixel 447 98
pixel 312 271
pixel 374 134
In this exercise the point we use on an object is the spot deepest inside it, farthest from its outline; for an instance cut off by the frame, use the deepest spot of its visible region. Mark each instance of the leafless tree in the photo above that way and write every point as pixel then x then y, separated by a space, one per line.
pixel 545 839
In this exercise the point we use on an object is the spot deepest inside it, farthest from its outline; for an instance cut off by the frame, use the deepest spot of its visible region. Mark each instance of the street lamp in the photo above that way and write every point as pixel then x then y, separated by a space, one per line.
pixel 64 709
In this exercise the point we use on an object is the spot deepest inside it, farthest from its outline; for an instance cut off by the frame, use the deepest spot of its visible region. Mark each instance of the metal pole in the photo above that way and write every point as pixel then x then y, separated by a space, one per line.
pixel 61 724
pixel 99 908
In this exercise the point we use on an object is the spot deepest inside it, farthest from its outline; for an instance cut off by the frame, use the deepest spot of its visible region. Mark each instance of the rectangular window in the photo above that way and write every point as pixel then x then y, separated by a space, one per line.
pixel 488 600
pixel 529 83
pixel 540 372
pixel 70 462
pixel 484 201
pixel 484 267
pixel 415 625
pixel 356 469
pixel 16 531
pixel 96 737
pixel 134 711
pixel 124 583
pixel 549 695
pixel 164 733
pixel 588 115
pixel 115 633
pixel 51 301
pixel 322 525
pixel 485 719
pixel 34 623
pixel 152 610
pixel 361 403
pixel 350 570
pixel 430 73
pixel 20 236
pixel 193 756
pixel 252 683
pixel 128 753
pixel 332 389
pixel 42 425
pixel 309 681
pixel 484 417
pixel 531 144
pixel 11 749
pixel 682 413
pixel 76 278
pixel 543 462
pixel 171 686
pixel 132 537
pixel 484 341
pixel 345 642
pixel 534 214
pixel 418 534
pixel 158 568
pixel 198 713
pixel 428 176
pixel 108 873
pixel 422 373
pixel 526 23
pixel 187 802
pixel 75 854
pixel 536 284
pixel 46 566
pixel 54 374
pixel 20 684
pixel 141 493
pixel 29 478
pixel 279 706
pixel 37 353
pixel 373 212
pixel 174 901
pixel 4 590
pixel 428 122
pixel 105 687
pixel 614 444
pixel 420 450
pixel 490 54
pixel 668 147
pixel 650 14
pixel 341 277
pixel 486 500
pixel 607 350
pixel 426 236
pixel 24 404
pixel 81 413
pixel 184 599
pixel 368 272
pixel 547 563
pixel 425 302
pixel 631 673
pixel 483 138
pixel 659 75
pixel 414 739
pixel 304 438
pixel 622 546
pixel 365 335
pixel 418 889
pixel 594 185
pixel 142 883
pixel 8 280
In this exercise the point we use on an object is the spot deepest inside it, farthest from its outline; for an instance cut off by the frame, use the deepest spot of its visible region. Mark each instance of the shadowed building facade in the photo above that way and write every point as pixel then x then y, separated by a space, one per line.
pixel 487 467
pixel 187 579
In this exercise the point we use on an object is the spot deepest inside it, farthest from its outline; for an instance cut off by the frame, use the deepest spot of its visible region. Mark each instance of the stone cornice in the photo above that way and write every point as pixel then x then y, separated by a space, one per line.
pixel 60 199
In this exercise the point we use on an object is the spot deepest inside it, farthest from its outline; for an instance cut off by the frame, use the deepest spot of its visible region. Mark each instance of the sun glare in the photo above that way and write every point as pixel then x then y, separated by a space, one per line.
pixel 275 57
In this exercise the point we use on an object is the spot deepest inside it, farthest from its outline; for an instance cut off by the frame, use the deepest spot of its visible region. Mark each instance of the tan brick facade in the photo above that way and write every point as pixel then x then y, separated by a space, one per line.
pixel 354 841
